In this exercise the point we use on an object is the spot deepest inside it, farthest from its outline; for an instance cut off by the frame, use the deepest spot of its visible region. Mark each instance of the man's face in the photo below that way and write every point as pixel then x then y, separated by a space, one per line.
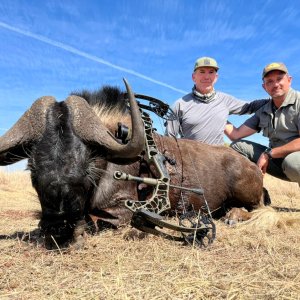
pixel 205 78
pixel 277 83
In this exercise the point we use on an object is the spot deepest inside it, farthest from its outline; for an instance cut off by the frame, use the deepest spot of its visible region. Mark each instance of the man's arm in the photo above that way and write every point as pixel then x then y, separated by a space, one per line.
pixel 237 133
pixel 283 151
pixel 240 107
pixel 278 152
pixel 253 106
pixel 172 128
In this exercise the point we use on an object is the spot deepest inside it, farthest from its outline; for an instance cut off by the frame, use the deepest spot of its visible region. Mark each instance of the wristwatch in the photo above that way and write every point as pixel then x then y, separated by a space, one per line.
pixel 268 151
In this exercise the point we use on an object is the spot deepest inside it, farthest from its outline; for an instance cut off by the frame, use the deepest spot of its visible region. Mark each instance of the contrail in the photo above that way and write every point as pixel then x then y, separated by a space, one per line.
pixel 86 55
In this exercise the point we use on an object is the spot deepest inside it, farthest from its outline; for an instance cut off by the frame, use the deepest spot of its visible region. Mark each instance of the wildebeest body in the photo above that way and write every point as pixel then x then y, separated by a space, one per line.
pixel 227 178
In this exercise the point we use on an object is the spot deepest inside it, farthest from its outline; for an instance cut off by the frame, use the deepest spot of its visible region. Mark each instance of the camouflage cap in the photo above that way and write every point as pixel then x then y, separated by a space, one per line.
pixel 206 62
pixel 274 66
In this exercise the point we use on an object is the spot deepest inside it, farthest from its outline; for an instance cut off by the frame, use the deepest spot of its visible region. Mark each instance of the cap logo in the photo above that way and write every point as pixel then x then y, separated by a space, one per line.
pixel 273 65
pixel 206 62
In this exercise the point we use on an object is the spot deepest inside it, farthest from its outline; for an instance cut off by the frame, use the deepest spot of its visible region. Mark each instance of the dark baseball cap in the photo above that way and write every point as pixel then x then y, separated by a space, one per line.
pixel 275 66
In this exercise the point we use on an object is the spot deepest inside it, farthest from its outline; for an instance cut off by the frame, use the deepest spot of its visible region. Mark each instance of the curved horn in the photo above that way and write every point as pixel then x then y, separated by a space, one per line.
pixel 87 126
pixel 28 128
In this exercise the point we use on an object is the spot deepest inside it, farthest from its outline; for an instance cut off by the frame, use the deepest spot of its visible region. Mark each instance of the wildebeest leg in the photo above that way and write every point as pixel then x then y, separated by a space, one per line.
pixel 236 215
pixel 79 235
pixel 241 214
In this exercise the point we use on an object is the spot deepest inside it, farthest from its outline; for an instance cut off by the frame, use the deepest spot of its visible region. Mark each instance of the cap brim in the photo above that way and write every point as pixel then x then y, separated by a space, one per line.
pixel 216 68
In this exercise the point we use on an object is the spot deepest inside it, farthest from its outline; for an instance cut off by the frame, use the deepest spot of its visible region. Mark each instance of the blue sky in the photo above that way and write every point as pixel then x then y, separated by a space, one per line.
pixel 55 47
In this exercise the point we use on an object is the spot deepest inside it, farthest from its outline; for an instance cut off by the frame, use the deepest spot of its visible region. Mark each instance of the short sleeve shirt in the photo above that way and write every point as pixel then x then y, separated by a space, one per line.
pixel 282 125
pixel 205 122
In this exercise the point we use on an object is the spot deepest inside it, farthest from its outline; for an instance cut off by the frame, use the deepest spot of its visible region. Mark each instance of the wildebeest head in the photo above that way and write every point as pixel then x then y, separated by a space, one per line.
pixel 62 140
pixel 60 166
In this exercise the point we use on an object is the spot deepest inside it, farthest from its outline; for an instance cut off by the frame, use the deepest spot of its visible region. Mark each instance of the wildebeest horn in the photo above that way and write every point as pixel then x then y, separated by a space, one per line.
pixel 28 128
pixel 87 126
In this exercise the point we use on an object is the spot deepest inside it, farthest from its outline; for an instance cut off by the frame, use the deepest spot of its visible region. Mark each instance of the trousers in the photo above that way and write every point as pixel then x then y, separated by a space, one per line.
pixel 287 168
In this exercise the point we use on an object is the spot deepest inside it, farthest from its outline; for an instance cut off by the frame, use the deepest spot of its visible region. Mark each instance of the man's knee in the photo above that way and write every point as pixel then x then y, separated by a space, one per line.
pixel 233 145
pixel 291 166
pixel 249 149
pixel 236 145
pixel 241 147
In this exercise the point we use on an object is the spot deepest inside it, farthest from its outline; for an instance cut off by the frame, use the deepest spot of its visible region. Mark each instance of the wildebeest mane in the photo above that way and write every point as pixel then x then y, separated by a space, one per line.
pixel 108 103
pixel 108 96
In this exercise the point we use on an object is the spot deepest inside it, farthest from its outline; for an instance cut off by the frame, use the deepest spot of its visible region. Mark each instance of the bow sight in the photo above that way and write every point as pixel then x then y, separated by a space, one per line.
pixel 195 227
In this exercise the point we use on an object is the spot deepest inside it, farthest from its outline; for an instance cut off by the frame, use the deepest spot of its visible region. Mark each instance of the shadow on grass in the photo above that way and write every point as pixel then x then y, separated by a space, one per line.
pixel 33 236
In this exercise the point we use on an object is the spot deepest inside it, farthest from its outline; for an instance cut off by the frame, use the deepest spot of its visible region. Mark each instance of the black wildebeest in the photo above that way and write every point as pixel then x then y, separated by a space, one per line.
pixel 73 155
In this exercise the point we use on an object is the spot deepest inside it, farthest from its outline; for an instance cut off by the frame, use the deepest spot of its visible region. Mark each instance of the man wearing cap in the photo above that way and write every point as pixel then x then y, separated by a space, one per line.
pixel 279 120
pixel 202 114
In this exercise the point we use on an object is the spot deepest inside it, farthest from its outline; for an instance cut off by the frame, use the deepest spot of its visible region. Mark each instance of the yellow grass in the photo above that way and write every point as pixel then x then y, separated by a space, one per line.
pixel 251 261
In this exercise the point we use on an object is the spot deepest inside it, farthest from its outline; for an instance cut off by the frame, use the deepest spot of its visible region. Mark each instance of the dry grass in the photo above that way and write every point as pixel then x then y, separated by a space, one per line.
pixel 252 261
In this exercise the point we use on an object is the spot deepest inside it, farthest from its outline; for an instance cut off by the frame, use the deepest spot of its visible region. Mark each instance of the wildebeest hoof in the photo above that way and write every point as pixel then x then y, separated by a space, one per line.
pixel 230 222
pixel 79 242
pixel 134 234
pixel 236 215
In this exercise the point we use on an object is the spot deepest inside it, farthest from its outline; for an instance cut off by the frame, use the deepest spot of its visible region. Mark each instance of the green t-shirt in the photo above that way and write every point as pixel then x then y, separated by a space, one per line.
pixel 282 125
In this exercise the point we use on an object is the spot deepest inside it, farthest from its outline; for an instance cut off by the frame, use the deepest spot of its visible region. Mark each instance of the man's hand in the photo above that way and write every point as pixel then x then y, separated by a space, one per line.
pixel 263 163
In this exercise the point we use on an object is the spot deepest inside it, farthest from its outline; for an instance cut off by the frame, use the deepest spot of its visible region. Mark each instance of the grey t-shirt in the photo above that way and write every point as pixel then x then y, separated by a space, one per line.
pixel 205 122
